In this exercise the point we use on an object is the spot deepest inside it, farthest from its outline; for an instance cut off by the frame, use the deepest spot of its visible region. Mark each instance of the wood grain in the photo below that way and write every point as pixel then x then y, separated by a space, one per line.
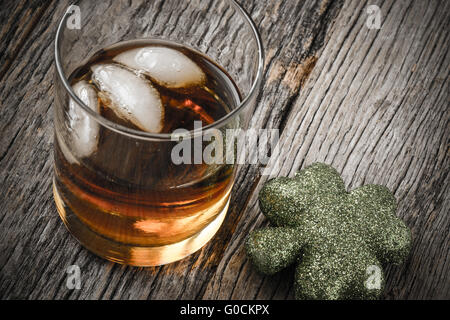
pixel 373 103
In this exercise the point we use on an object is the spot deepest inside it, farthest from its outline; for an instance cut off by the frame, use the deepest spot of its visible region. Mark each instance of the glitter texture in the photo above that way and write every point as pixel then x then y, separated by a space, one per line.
pixel 337 238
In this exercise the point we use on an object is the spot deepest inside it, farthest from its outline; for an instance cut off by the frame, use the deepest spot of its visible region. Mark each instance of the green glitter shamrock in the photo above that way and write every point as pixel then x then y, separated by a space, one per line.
pixel 339 239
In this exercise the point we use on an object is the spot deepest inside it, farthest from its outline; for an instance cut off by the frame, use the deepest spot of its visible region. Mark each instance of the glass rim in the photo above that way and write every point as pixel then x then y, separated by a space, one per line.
pixel 142 135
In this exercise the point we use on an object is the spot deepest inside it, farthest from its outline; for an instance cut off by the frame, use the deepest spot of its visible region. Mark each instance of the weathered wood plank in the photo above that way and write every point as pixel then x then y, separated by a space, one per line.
pixel 20 18
pixel 372 103
pixel 376 106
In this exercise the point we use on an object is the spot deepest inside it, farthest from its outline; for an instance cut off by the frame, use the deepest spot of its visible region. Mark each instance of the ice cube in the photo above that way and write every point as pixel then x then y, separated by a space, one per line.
pixel 84 128
pixel 132 97
pixel 168 67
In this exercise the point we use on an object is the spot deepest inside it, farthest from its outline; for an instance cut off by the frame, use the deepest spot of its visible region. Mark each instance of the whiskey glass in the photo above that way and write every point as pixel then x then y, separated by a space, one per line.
pixel 127 201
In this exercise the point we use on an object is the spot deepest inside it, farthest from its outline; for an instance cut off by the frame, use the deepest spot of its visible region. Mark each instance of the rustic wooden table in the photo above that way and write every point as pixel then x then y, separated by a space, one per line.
pixel 373 103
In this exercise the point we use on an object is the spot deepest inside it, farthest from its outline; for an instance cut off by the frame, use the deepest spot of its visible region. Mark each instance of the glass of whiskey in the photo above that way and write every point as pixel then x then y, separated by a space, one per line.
pixel 146 96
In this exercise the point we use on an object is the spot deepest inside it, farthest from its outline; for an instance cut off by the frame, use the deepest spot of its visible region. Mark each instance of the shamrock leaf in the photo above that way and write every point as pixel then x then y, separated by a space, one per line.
pixel 337 237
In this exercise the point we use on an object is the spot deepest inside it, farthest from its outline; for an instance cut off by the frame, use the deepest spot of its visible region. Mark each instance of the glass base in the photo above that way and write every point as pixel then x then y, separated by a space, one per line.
pixel 130 254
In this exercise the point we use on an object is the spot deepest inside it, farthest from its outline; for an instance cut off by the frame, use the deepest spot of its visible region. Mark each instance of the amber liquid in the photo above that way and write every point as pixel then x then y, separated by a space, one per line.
pixel 130 191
